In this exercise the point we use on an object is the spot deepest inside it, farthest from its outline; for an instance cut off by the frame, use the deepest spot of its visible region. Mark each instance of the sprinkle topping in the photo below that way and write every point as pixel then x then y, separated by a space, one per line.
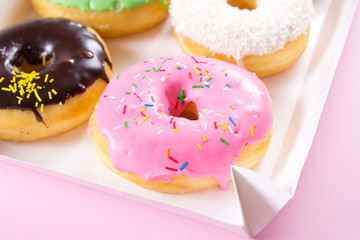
pixel 26 85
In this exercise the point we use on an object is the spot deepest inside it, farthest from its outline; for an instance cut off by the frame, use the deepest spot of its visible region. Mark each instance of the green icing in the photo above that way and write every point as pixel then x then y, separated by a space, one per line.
pixel 104 5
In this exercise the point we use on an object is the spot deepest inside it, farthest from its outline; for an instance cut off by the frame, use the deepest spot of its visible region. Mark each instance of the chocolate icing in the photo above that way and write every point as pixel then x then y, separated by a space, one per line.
pixel 75 59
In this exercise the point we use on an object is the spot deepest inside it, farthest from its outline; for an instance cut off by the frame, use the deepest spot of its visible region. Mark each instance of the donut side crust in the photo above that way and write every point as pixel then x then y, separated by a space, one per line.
pixel 248 158
pixel 108 23
pixel 22 126
pixel 264 66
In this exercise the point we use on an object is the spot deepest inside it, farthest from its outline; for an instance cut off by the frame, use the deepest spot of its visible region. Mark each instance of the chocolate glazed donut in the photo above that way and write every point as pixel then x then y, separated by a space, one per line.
pixel 72 60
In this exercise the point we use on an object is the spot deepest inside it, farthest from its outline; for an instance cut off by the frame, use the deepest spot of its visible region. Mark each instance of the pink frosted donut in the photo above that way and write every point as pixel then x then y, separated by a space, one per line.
pixel 178 124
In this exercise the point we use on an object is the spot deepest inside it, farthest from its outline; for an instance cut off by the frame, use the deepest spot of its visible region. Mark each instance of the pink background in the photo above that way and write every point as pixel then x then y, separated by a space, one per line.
pixel 326 204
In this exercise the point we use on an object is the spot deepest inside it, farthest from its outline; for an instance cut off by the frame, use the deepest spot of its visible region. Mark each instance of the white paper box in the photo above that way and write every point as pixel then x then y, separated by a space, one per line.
pixel 255 196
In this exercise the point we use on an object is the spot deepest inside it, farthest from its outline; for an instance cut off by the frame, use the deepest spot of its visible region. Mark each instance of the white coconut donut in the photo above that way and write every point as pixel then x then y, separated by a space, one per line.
pixel 265 36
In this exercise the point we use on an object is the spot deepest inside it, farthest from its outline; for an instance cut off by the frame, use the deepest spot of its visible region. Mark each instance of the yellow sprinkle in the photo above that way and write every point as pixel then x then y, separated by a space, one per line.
pixel 50 97
pixel 20 99
pixel 232 107
pixel 199 146
pixel 146 117
pixel 51 80
pixel 44 60
pixel 46 77
pixel 175 130
pixel 27 96
pixel 39 87
pixel 225 126
pixel 42 107
pixel 205 72
pixel 251 131
pixel 37 96
pixel 54 92
pixel 6 89
pixel 22 92
pixel 203 111
pixel 31 86
pixel 167 152
pixel 2 79
pixel 36 104
pixel 142 110
pixel 219 124
pixel 136 122
pixel 204 138
pixel 197 72
pixel 138 69
pixel 13 88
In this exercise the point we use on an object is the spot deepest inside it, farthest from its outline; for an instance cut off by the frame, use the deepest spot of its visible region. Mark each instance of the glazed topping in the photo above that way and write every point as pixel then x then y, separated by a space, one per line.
pixel 140 114
pixel 67 56
pixel 104 5
pixel 238 33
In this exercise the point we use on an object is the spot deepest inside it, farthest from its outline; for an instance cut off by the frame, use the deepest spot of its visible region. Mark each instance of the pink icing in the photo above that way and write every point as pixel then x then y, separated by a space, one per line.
pixel 139 139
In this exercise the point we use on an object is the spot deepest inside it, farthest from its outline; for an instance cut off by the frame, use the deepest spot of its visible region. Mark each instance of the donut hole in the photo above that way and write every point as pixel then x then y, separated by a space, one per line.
pixel 179 105
pixel 28 62
pixel 27 67
pixel 190 112
pixel 243 4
